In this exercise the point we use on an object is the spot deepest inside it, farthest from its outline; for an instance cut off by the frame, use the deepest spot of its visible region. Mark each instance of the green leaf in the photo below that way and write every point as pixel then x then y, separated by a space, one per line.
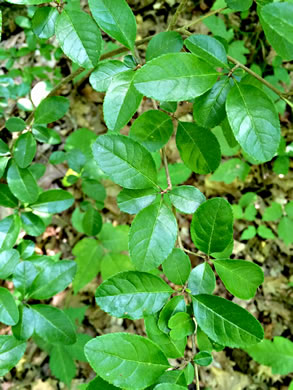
pixel 45 135
pixel 278 354
pixel 8 261
pixel 114 238
pixel 181 325
pixel 163 43
pixel 27 2
pixel 203 358
pixel 8 310
pixel 177 267
pixel 186 198
pixel 212 226
pixel 88 254
pixel 285 230
pixel 289 209
pixel 277 23
pixel 9 231
pixel 102 76
pixel 43 22
pixel 257 133
pixel 32 224
pixel 4 150
pixel 116 19
pixel 26 249
pixel 11 351
pixel 225 322
pixel 198 147
pixel 53 279
pixel 24 329
pixel 175 77
pixel 173 306
pixel 265 232
pixel 62 365
pixel 126 360
pixel 3 165
pixel 207 48
pixel 79 37
pixel 121 101
pixel 248 233
pixel 22 183
pixel 150 244
pixel 169 386
pixel 209 108
pixel 125 161
pixel 99 383
pixel 6 197
pixel 53 325
pixel 23 276
pixel 229 170
pixel 241 278
pixel 92 222
pixel 132 294
pixel 239 5
pixel 172 348
pixel 51 109
pixel 202 280
pixel 179 173
pixel 273 213
pixel 152 129
pixel 132 201
pixel 53 201
pixel 76 350
pixel 15 124
pixel 114 263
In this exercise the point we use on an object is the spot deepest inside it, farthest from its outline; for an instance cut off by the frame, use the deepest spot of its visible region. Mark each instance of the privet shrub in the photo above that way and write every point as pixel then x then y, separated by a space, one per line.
pixel 156 283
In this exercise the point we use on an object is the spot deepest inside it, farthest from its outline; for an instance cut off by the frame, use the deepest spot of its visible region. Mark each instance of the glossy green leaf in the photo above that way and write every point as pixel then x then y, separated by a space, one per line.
pixel 26 249
pixel 88 254
pixel 173 306
pixel 241 278
pixel 152 129
pixel 179 173
pixel 53 279
pixel 125 161
pixel 3 164
pixel 198 147
pixel 126 360
pixel 4 150
pixel 53 201
pixel 11 351
pixel 150 244
pixel 116 19
pixel 99 383
pixel 258 133
pixel 203 358
pixel 24 275
pixel 163 43
pixel 43 22
pixel 8 310
pixel 45 135
pixel 79 37
pixel 114 238
pixel 169 386
pixel 9 231
pixel 101 77
pixel 285 230
pixel 62 365
pixel 171 348
pixel 181 325
pixel 22 183
pixel 92 222
pixel 132 294
pixel 132 201
pixel 15 124
pixel 51 109
pixel 53 325
pixel 32 224
pixel 175 77
pixel 24 329
pixel 207 48
pixel 186 198
pixel 212 226
pixel 225 322
pixel 209 108
pixel 277 23
pixel 121 101
pixel 7 199
pixel 177 267
pixel 113 263
pixel 278 354
pixel 228 171
pixel 202 279
pixel 239 5
pixel 8 261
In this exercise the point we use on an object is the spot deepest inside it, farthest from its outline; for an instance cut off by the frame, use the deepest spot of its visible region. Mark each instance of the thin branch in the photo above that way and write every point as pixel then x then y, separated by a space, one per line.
pixel 175 17
pixel 200 19
pixel 165 162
